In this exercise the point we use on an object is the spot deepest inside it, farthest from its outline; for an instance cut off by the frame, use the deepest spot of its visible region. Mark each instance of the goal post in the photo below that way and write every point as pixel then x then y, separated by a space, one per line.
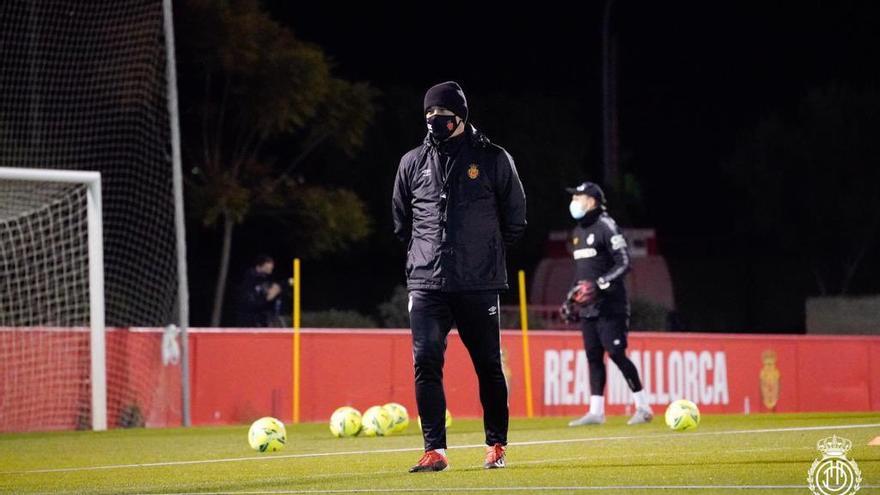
pixel 97 345
pixel 91 86
pixel 179 222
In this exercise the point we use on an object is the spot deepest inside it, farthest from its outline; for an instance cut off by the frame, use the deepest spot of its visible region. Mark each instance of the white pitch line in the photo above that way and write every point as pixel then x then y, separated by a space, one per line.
pixel 516 489
pixel 419 449
pixel 702 433
pixel 656 454
pixel 560 460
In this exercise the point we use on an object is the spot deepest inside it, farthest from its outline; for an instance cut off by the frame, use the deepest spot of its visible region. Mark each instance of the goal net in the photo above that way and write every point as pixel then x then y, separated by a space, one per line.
pixel 83 87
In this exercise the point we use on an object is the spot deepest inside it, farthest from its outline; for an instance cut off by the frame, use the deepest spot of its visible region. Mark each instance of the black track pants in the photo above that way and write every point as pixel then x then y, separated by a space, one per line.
pixel 608 334
pixel 476 314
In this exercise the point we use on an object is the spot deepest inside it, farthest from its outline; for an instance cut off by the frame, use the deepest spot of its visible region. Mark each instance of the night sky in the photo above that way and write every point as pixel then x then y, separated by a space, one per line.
pixel 692 74
pixel 692 77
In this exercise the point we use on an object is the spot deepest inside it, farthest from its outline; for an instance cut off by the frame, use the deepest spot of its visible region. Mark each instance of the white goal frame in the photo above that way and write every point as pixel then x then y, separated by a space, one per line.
pixel 97 347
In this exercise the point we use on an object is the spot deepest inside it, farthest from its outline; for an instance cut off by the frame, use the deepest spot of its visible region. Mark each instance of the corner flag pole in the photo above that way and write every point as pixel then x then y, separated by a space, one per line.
pixel 524 319
pixel 296 345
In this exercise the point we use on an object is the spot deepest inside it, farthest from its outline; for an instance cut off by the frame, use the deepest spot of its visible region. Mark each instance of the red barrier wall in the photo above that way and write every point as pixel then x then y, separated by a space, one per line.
pixel 240 375
pixel 44 379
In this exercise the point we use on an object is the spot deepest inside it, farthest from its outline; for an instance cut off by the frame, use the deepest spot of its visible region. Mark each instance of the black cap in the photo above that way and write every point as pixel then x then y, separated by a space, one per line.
pixel 591 189
pixel 448 95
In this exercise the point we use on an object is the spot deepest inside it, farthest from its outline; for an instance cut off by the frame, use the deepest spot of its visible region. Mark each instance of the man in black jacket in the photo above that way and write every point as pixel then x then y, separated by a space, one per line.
pixel 601 261
pixel 257 295
pixel 458 203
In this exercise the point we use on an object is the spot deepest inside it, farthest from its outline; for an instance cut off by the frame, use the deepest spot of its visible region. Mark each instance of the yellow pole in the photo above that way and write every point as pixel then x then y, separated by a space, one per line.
pixel 524 318
pixel 296 348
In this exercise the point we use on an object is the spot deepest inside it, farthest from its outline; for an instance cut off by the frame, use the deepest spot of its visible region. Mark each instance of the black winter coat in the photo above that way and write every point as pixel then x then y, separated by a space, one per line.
pixel 253 310
pixel 457 206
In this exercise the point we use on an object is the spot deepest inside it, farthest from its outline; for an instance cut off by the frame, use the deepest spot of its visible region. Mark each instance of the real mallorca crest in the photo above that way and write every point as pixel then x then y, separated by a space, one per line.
pixel 769 380
pixel 834 473
pixel 473 171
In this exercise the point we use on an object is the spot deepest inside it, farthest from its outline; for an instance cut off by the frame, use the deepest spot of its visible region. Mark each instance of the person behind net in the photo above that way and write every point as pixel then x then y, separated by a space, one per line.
pixel 457 203
pixel 257 301
pixel 599 301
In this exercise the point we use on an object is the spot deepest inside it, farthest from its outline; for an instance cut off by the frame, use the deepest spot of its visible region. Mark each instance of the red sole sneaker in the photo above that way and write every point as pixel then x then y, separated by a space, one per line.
pixel 432 461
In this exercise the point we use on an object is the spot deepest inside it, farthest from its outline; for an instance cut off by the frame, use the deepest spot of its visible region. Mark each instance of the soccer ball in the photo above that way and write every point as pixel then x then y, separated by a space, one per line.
pixel 267 435
pixel 682 415
pixel 345 422
pixel 448 420
pixel 377 422
pixel 399 416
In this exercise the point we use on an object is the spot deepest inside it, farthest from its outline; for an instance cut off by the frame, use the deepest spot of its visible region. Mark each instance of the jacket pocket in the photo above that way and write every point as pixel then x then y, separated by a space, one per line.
pixel 477 261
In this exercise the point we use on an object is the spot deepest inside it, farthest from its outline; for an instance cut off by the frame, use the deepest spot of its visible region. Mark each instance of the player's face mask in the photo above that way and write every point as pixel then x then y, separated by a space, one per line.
pixel 441 126
pixel 577 209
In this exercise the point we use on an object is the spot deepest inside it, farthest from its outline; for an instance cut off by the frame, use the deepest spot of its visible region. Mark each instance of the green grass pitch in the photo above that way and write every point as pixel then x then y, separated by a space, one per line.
pixel 726 454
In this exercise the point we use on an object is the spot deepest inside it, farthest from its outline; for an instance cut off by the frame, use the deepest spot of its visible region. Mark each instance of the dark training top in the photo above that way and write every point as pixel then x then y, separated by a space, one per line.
pixel 601 255
pixel 253 310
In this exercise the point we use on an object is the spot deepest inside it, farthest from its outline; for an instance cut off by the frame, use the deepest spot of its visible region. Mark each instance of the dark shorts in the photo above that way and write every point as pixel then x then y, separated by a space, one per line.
pixel 607 332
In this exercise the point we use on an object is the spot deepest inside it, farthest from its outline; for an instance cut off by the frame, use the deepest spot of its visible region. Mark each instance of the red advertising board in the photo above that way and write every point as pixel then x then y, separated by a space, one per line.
pixel 238 375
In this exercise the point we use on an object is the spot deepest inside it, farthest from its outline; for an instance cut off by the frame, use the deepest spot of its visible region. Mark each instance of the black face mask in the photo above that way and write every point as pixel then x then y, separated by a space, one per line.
pixel 441 126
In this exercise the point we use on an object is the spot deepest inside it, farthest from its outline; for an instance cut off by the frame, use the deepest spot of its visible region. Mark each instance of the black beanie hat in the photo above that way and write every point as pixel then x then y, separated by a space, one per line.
pixel 447 95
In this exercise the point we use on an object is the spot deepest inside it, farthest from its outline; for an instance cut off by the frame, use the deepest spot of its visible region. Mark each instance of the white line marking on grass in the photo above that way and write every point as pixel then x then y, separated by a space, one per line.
pixel 695 434
pixel 513 464
pixel 516 489
pixel 419 449
pixel 633 455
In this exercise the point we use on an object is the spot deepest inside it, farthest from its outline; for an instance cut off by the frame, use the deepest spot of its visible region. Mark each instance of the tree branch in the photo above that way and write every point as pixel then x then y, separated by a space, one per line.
pixel 299 159
pixel 218 138
pixel 205 106
pixel 248 142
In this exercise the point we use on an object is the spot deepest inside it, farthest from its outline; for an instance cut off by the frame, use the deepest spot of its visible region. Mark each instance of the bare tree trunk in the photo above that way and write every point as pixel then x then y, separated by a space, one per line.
pixel 223 272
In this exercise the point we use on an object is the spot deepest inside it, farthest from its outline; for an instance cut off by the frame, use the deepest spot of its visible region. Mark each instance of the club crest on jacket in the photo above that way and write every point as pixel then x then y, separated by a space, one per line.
pixel 473 171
